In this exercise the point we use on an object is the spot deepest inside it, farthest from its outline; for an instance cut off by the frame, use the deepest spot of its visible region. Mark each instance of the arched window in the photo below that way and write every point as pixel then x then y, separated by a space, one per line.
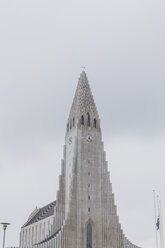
pixel 82 120
pixel 89 236
pixel 73 121
pixel 94 123
pixel 88 120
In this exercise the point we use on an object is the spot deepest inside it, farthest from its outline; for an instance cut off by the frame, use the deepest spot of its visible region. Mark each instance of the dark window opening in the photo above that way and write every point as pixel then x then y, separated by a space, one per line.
pixel 82 120
pixel 70 124
pixel 68 127
pixel 89 197
pixel 89 236
pixel 88 119
pixel 89 209
pixel 94 123
pixel 73 122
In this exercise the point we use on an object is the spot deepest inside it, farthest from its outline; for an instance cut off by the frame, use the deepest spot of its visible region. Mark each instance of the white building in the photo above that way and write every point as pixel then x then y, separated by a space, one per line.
pixel 84 214
pixel 38 226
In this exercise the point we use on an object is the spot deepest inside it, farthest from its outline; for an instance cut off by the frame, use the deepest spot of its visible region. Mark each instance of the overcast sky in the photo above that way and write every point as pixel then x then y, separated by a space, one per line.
pixel 43 44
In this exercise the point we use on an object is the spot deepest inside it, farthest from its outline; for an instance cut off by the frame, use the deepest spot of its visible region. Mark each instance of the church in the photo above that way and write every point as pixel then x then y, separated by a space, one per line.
pixel 84 214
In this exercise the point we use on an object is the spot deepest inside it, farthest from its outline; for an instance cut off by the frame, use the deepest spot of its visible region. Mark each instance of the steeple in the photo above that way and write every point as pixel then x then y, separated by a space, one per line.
pixel 83 100
pixel 83 105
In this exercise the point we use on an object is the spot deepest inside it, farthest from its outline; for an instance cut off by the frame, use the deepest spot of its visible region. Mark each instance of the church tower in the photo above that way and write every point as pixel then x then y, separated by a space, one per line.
pixel 84 214
pixel 89 200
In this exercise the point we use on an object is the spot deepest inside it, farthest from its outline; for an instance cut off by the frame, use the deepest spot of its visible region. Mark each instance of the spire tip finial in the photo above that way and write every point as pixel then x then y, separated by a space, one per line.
pixel 83 68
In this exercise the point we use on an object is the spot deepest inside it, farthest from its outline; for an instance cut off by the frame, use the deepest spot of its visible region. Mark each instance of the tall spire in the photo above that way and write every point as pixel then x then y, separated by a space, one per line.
pixel 83 101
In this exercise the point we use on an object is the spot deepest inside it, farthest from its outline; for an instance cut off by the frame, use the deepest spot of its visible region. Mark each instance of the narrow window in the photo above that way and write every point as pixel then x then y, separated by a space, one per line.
pixel 32 239
pixel 89 209
pixel 29 240
pixel 88 119
pixel 70 124
pixel 89 236
pixel 44 230
pixel 73 121
pixel 88 185
pixel 40 233
pixel 23 238
pixel 82 120
pixel 89 173
pixel 68 127
pixel 26 238
pixel 88 197
pixel 36 236
pixel 94 123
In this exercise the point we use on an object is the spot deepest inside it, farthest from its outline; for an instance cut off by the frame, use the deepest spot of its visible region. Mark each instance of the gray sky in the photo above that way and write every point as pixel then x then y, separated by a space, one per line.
pixel 43 46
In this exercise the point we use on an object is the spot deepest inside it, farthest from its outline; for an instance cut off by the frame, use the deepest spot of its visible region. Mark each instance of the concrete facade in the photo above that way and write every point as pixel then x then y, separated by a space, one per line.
pixel 38 226
pixel 85 214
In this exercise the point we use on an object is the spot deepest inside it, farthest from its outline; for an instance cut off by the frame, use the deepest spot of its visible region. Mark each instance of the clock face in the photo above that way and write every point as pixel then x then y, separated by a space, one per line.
pixel 70 140
pixel 89 138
